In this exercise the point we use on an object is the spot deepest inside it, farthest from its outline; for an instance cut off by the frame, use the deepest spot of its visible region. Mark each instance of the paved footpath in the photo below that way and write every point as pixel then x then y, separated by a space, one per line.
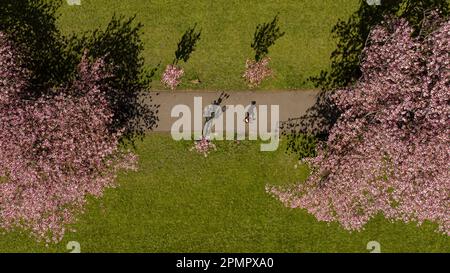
pixel 292 104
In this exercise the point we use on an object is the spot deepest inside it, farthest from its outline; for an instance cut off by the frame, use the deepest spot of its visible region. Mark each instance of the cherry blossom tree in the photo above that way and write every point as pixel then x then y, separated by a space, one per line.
pixel 265 36
pixel 257 71
pixel 186 46
pixel 389 151
pixel 172 76
pixel 54 150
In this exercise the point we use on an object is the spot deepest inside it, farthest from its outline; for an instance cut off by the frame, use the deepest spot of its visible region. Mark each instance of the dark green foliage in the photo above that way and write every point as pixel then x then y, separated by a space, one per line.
pixel 265 36
pixel 352 34
pixel 414 10
pixel 31 24
pixel 120 46
pixel 345 59
pixel 53 59
pixel 187 44
pixel 303 145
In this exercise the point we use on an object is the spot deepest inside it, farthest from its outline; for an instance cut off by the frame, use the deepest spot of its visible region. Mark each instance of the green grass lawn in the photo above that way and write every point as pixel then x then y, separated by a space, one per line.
pixel 227 32
pixel 180 201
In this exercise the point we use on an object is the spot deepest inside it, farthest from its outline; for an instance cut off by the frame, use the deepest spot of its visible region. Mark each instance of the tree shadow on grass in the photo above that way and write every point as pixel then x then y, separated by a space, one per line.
pixel 345 70
pixel 53 58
